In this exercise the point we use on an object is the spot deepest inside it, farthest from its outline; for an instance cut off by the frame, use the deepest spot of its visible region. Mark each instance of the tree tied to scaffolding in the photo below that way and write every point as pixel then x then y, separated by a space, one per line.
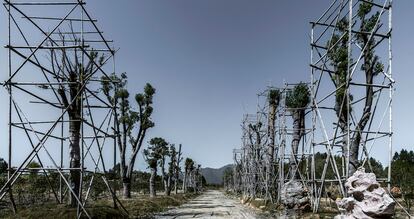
pixel 131 126
pixel 73 71
pixel 274 99
pixel 369 23
pixel 297 100
pixel 255 138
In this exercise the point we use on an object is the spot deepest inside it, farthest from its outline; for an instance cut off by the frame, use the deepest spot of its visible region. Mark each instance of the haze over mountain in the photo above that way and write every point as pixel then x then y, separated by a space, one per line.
pixel 215 175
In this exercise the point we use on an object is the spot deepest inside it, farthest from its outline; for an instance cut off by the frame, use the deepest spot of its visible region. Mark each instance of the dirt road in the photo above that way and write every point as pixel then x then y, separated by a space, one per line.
pixel 211 204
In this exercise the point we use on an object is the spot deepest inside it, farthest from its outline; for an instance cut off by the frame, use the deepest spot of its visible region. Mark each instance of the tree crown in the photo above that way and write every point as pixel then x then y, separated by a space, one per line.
pixel 299 97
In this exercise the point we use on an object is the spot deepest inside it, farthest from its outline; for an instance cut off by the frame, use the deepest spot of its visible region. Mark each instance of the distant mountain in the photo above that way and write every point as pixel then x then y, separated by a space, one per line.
pixel 214 176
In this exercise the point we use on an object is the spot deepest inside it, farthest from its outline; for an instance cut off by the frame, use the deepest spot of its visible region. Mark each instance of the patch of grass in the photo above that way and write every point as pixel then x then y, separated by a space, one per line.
pixel 63 212
pixel 138 207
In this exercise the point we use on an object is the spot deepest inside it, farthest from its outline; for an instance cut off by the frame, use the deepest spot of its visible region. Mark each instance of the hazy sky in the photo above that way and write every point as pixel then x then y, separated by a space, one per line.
pixel 209 58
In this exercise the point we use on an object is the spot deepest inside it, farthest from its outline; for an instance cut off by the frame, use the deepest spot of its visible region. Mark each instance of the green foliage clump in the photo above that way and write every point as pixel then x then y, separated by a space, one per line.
pixel 274 97
pixel 3 166
pixel 299 97
pixel 189 165
pixel 158 148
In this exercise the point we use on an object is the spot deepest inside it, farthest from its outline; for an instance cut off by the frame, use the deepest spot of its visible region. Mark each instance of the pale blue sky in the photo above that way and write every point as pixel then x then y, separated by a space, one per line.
pixel 208 59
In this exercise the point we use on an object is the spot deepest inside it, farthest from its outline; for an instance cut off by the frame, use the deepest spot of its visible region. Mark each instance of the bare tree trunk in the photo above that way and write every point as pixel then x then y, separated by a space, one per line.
pixel 356 140
pixel 126 170
pixel 298 130
pixel 270 173
pixel 369 65
pixel 271 132
pixel 185 182
pixel 168 189
pixel 193 182
pixel 126 184
pixel 164 176
pixel 176 170
pixel 74 155
pixel 152 182
pixel 176 185
pixel 165 182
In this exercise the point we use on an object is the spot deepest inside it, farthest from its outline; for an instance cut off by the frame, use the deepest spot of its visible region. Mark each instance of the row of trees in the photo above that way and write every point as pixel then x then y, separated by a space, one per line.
pixel 257 170
pixel 35 188
pixel 132 127
pixel 156 156
pixel 133 120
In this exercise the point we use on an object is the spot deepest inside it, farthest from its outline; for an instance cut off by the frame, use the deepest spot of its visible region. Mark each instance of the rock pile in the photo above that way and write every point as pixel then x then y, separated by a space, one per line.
pixel 295 196
pixel 367 199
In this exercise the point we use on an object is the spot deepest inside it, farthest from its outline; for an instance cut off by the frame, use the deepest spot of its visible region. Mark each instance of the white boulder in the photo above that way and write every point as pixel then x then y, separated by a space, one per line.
pixel 367 199
pixel 294 195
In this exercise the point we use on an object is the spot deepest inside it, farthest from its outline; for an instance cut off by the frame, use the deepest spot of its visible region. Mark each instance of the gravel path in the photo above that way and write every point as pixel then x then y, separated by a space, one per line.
pixel 211 204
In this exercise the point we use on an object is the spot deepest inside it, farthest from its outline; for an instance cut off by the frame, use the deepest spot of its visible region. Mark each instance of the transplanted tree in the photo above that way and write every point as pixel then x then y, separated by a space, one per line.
pixel 188 168
pixel 371 66
pixel 177 169
pixel 274 99
pixel 131 125
pixel 197 179
pixel 255 138
pixel 166 177
pixel 297 100
pixel 155 154
pixel 172 169
pixel 73 74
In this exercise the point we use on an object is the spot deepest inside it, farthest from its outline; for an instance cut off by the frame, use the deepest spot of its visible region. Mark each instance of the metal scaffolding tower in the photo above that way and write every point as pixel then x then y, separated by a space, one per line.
pixel 256 175
pixel 351 98
pixel 58 57
pixel 350 115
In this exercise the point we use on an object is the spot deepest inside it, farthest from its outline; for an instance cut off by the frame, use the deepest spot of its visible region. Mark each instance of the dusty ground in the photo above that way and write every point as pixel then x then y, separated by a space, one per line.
pixel 211 204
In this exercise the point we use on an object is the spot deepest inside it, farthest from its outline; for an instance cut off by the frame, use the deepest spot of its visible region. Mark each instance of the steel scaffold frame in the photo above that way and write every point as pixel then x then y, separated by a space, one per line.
pixel 321 114
pixel 246 164
pixel 73 34
pixel 324 120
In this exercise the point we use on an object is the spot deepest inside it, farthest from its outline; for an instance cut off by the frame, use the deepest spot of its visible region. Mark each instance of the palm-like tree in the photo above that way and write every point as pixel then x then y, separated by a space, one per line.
pixel 297 100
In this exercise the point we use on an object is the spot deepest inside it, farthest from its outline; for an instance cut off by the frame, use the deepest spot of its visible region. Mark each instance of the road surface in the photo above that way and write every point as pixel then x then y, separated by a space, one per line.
pixel 211 204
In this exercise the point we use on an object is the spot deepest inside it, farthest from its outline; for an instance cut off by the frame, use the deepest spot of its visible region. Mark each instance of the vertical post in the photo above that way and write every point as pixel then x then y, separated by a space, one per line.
pixel 283 141
pixel 10 94
pixel 347 86
pixel 61 157
pixel 313 119
pixel 115 103
pixel 391 93
pixel 10 154
pixel 82 41
pixel 114 71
